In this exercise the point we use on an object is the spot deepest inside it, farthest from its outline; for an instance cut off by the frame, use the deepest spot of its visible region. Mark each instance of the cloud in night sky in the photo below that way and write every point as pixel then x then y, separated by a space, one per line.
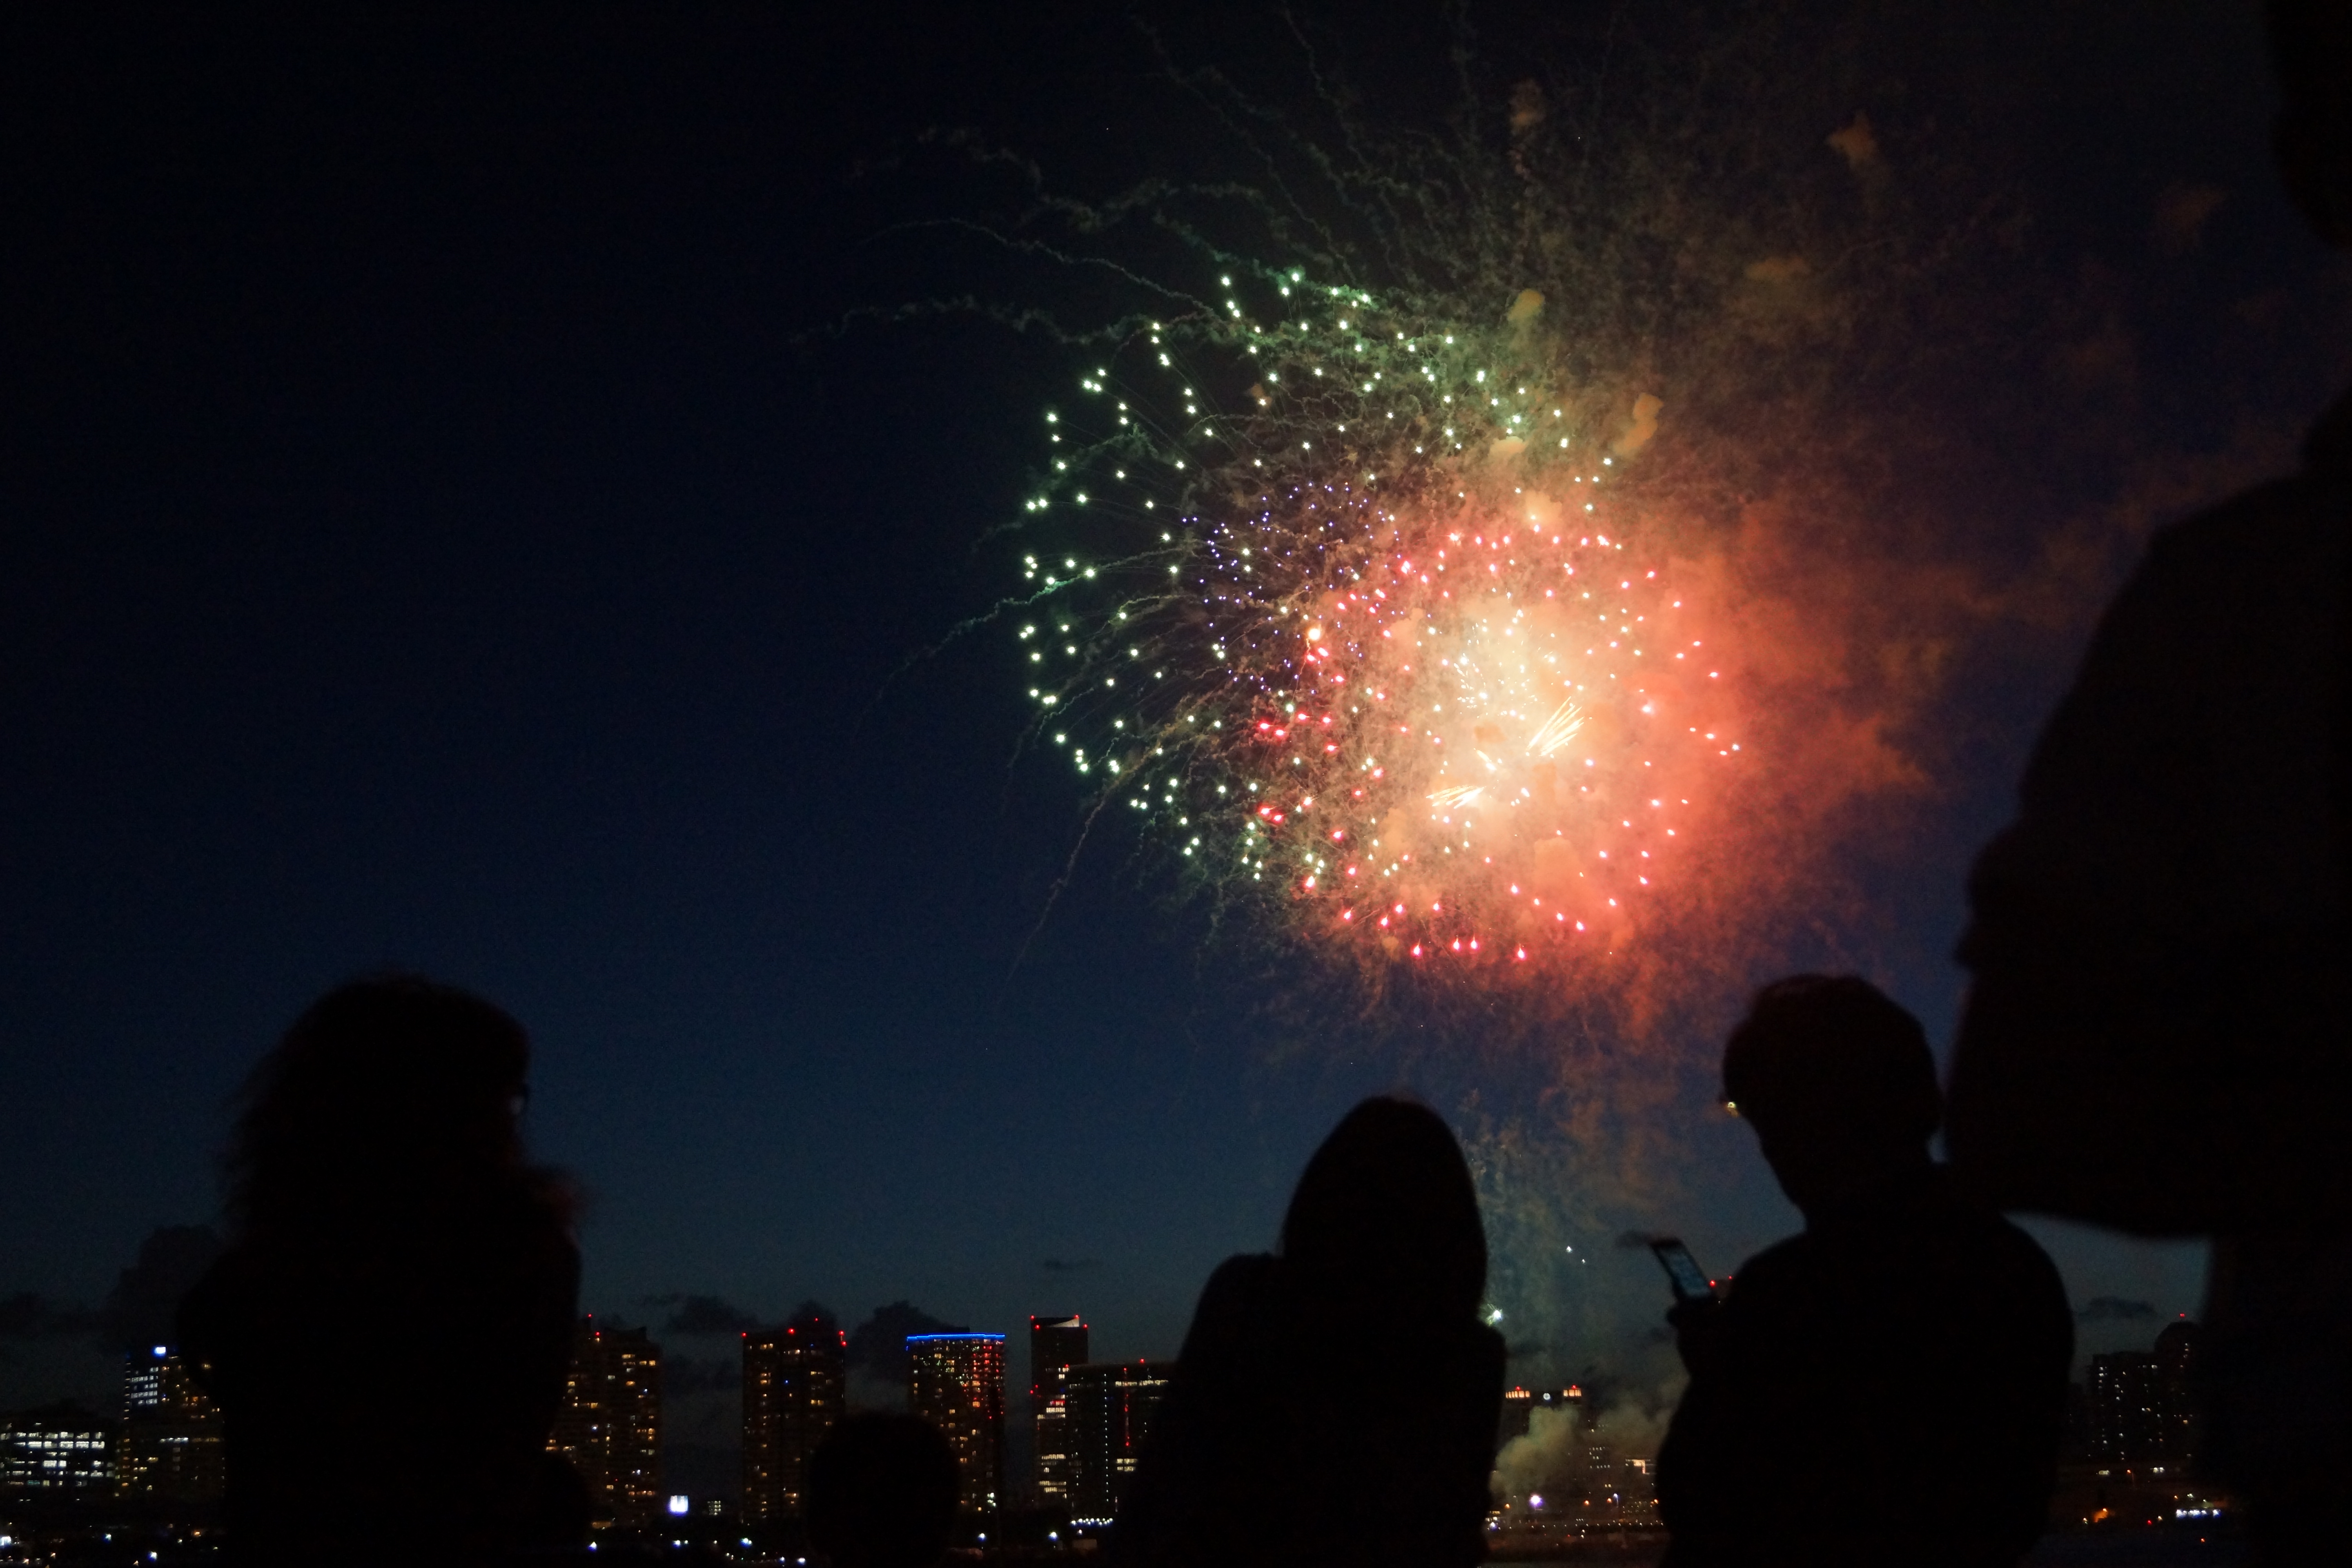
pixel 684 1375
pixel 1070 1265
pixel 877 1346
pixel 30 1316
pixel 143 1307
pixel 139 1310
pixel 2115 1310
pixel 702 1317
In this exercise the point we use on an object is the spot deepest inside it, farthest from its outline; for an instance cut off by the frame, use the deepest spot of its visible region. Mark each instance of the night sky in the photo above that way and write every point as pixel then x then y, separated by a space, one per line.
pixel 447 527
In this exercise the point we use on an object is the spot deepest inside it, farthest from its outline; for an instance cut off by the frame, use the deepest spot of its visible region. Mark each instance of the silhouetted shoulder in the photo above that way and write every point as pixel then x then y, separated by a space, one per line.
pixel 1238 1320
pixel 1783 1270
pixel 2025 1256
pixel 1204 1475
pixel 2012 1284
pixel 1775 1268
pixel 1240 1286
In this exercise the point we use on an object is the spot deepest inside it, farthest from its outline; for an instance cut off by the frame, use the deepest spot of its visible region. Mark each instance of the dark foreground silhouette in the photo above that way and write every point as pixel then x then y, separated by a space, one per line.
pixel 1911 1341
pixel 2158 1035
pixel 882 1493
pixel 1335 1404
pixel 389 1333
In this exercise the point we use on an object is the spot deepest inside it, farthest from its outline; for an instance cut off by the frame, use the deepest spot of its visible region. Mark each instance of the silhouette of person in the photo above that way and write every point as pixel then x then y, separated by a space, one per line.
pixel 1911 1345
pixel 1335 1404
pixel 882 1493
pixel 389 1333
pixel 2155 1032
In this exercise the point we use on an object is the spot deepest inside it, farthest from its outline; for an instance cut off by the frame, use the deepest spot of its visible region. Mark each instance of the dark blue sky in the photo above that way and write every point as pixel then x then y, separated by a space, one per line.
pixel 428 545
pixel 431 539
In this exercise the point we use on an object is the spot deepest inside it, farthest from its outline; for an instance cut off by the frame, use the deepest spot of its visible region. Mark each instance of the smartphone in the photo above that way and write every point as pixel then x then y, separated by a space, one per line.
pixel 1689 1281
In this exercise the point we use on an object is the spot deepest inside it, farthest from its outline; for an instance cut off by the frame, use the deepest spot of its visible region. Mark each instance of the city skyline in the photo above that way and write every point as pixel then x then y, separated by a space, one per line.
pixel 2135 1436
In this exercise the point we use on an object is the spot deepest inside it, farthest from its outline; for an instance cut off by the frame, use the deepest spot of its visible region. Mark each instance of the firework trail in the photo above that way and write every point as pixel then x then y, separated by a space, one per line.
pixel 1362 631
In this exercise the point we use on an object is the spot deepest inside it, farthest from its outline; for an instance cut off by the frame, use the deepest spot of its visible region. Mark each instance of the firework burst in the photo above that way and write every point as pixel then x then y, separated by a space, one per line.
pixel 1354 613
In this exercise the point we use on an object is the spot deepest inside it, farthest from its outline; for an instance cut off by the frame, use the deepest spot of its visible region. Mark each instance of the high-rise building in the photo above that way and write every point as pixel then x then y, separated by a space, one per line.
pixel 1056 1345
pixel 2142 1410
pixel 171 1431
pixel 794 1382
pixel 1111 1405
pixel 1520 1404
pixel 57 1450
pixel 2127 1408
pixel 610 1425
pixel 2177 1369
pixel 956 1381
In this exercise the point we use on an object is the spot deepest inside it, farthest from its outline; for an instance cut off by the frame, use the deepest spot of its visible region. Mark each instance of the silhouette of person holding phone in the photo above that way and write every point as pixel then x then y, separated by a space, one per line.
pixel 388 1334
pixel 1887 1387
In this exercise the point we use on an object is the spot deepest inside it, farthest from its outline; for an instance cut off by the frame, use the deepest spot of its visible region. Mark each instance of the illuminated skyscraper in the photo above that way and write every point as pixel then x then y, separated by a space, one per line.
pixel 171 1431
pixel 1056 1345
pixel 2141 1410
pixel 2127 1408
pixel 57 1451
pixel 1111 1405
pixel 956 1381
pixel 2177 1370
pixel 1520 1405
pixel 610 1425
pixel 794 1381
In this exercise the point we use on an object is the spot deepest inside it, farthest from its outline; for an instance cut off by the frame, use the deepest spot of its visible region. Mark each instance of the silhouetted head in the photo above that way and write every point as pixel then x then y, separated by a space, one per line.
pixel 388 1091
pixel 2311 45
pixel 1385 1220
pixel 1839 1084
pixel 882 1492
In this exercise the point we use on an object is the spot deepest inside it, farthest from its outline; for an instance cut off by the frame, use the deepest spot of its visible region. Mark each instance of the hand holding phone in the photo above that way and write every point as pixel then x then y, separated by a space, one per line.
pixel 1696 1315
pixel 1689 1281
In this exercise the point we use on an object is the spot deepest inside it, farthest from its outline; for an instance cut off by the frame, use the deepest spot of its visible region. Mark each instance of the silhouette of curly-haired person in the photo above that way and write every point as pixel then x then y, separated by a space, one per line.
pixel 389 1333
pixel 1336 1402
pixel 2158 1030
pixel 882 1493
pixel 1911 1340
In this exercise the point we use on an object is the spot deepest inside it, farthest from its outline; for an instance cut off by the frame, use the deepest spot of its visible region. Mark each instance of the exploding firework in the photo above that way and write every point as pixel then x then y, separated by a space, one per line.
pixel 1351 614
